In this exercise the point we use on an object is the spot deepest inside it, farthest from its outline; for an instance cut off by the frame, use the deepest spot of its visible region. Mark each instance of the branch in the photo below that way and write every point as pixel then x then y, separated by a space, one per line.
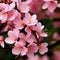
pixel 53 45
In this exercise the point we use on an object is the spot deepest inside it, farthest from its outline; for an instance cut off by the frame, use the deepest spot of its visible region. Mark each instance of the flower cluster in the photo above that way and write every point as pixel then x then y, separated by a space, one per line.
pixel 23 29
pixel 25 35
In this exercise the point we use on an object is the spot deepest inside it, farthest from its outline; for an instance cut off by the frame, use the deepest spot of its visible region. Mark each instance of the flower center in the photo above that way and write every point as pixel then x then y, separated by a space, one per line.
pixel 30 20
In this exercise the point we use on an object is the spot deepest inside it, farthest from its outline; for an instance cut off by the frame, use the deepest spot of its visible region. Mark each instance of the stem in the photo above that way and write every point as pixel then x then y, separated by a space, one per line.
pixel 53 45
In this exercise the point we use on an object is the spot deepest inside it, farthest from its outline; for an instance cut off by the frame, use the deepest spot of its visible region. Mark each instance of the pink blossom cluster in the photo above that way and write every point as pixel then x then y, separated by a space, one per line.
pixel 23 29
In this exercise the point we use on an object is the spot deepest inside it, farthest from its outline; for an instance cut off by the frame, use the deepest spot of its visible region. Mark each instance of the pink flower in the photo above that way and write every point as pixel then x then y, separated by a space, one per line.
pixel 28 30
pixel 22 37
pixel 10 6
pixel 50 4
pixel 43 48
pixel 3 15
pixel 12 36
pixel 18 22
pixel 23 6
pixel 3 18
pixel 39 30
pixel 4 8
pixel 31 38
pixel 35 6
pixel 1 41
pixel 19 49
pixel 12 15
pixel 32 48
pixel 25 38
pixel 30 20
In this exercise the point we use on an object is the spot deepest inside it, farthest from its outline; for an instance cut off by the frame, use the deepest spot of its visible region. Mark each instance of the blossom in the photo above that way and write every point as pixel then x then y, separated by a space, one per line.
pixel 4 8
pixel 3 18
pixel 39 30
pixel 12 15
pixel 35 6
pixel 43 48
pixel 30 20
pixel 23 6
pixel 2 41
pixel 29 29
pixel 50 4
pixel 10 6
pixel 32 48
pixel 25 38
pixel 22 37
pixel 18 22
pixel 3 15
pixel 31 39
pixel 12 36
pixel 19 48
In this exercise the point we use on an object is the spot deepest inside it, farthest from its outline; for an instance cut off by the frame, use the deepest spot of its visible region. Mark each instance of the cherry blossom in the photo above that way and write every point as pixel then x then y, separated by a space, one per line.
pixel 5 8
pixel 28 30
pixel 12 15
pixel 19 48
pixel 50 4
pixel 30 20
pixel 23 6
pixel 12 36
pixel 25 38
pixel 43 48
pixel 36 6
pixel 32 48
pixel 39 30
pixel 18 22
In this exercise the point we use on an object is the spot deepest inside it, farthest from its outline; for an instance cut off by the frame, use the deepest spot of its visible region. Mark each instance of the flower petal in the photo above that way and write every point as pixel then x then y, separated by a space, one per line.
pixel 9 41
pixel 24 51
pixel 16 51
pixel 45 5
